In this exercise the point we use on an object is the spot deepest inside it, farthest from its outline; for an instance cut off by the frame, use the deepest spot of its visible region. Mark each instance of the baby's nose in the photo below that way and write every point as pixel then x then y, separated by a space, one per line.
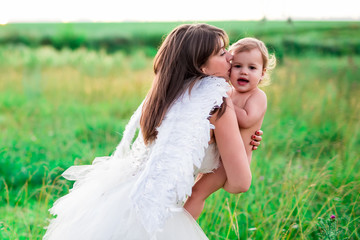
pixel 243 71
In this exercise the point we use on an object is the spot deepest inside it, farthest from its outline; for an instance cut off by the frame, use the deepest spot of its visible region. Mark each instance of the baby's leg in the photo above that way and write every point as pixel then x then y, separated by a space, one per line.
pixel 204 187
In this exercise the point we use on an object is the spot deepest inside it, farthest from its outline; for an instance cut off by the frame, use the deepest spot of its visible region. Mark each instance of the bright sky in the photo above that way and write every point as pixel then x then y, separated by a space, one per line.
pixel 170 10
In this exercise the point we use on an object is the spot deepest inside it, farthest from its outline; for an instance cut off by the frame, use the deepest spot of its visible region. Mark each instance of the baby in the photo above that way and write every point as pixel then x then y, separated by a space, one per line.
pixel 251 66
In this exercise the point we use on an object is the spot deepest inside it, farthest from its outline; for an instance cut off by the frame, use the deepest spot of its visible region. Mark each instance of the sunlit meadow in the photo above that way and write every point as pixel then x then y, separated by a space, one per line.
pixel 65 107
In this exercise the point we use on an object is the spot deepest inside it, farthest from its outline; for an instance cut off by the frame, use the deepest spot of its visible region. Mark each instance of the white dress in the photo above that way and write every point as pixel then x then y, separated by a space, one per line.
pixel 139 191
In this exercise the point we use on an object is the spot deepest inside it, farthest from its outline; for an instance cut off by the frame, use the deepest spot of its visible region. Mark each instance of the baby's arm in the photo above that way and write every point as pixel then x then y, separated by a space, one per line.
pixel 253 110
pixel 204 187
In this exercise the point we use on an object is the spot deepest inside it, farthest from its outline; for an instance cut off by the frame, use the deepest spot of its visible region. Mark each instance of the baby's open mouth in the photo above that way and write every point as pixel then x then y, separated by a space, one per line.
pixel 242 81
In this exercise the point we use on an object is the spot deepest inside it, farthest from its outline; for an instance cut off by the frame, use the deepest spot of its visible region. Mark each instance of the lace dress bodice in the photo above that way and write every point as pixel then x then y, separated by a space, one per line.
pixel 140 153
pixel 211 160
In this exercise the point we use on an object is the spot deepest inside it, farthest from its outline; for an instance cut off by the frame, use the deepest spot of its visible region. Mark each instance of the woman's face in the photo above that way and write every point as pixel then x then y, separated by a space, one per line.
pixel 218 64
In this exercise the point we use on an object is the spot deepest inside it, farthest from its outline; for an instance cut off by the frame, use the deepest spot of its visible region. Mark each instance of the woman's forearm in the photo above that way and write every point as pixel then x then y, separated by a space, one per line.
pixel 211 182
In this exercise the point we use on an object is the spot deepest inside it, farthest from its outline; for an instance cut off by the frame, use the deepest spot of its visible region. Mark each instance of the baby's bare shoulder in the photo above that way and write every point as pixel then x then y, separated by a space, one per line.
pixel 258 95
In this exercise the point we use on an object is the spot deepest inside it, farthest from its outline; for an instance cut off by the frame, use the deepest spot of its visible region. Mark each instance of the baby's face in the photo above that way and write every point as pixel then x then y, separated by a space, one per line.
pixel 246 70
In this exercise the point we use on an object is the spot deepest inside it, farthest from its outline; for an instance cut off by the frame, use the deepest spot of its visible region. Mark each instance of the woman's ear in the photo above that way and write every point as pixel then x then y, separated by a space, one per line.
pixel 203 69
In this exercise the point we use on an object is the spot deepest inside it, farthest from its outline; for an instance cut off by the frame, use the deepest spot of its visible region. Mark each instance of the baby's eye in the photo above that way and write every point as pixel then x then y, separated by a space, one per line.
pixel 252 67
pixel 237 66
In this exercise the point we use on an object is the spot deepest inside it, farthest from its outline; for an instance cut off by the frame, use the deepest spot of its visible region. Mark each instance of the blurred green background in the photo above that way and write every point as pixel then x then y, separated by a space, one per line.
pixel 68 89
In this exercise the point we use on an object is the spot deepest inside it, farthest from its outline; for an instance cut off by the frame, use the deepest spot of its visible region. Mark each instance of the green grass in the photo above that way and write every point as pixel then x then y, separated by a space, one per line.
pixel 59 108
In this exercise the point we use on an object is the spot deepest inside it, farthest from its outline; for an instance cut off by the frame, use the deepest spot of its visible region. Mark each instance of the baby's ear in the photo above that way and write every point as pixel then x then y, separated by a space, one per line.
pixel 263 72
pixel 262 75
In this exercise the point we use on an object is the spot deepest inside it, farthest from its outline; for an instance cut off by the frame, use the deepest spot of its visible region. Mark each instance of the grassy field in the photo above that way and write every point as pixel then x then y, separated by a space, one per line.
pixel 65 107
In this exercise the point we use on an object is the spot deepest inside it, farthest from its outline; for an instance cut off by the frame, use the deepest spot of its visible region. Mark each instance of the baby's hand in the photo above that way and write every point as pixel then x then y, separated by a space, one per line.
pixel 256 139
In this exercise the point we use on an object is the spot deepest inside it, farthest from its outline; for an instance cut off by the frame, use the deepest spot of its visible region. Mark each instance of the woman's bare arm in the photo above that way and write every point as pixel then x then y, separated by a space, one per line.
pixel 232 151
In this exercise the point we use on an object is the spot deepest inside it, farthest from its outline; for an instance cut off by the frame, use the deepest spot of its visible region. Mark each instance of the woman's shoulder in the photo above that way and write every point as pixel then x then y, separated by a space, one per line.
pixel 210 85
pixel 214 81
pixel 208 89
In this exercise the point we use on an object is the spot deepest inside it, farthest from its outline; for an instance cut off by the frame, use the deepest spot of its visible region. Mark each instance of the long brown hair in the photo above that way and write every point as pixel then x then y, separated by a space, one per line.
pixel 177 66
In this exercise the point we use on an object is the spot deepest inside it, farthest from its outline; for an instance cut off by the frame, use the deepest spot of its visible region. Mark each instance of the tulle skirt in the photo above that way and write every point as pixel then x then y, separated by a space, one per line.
pixel 99 207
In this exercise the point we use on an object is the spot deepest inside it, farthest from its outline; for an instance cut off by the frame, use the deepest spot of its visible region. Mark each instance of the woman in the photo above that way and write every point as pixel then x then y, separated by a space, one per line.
pixel 138 192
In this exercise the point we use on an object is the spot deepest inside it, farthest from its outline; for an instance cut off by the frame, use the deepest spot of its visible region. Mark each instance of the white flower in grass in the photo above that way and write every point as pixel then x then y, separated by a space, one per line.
pixel 295 226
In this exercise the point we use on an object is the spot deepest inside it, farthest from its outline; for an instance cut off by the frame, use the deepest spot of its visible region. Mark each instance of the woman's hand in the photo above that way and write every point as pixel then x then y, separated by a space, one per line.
pixel 256 139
